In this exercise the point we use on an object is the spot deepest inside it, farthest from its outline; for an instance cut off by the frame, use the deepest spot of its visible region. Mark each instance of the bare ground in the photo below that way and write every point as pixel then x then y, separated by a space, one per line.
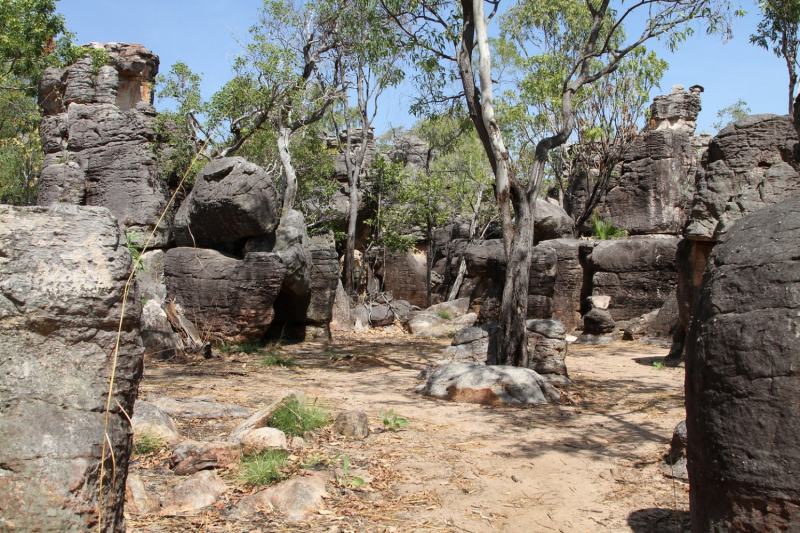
pixel 590 464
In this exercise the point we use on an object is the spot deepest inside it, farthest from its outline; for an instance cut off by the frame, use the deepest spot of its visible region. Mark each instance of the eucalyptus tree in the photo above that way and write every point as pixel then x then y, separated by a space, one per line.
pixel 446 34
pixel 371 65
pixel 778 30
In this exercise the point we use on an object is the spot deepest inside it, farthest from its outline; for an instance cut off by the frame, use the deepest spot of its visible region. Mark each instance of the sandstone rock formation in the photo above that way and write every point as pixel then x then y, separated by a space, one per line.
pixel 742 384
pixel 96 131
pixel 62 277
pixel 232 199
pixel 638 274
pixel 748 166
pixel 225 295
pixel 652 193
pixel 405 276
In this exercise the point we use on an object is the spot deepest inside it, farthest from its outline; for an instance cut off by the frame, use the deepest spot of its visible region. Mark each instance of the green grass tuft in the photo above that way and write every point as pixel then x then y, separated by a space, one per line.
pixel 275 359
pixel 263 468
pixel 295 418
pixel 605 230
pixel 248 347
pixel 658 365
pixel 147 444
pixel 444 313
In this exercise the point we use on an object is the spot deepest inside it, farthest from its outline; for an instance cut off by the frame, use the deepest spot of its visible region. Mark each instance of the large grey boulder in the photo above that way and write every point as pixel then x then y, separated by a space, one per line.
pixel 96 134
pixel 742 380
pixel 471 383
pixel 232 199
pixel 63 271
pixel 230 297
pixel 551 222
pixel 566 299
pixel 405 277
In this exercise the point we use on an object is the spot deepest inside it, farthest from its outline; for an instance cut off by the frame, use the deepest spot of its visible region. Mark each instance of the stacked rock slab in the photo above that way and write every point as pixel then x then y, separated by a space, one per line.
pixel 638 274
pixel 742 380
pixel 749 165
pixel 96 132
pixel 405 276
pixel 62 278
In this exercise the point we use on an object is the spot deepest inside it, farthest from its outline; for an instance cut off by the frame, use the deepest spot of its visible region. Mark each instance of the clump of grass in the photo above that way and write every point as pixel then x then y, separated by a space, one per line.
pixel 276 359
pixel 263 468
pixel 658 365
pixel 225 347
pixel 248 347
pixel 147 444
pixel 451 334
pixel 294 418
pixel 444 313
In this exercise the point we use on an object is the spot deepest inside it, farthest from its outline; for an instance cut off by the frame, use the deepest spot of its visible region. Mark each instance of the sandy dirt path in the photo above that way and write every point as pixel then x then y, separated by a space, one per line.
pixel 591 464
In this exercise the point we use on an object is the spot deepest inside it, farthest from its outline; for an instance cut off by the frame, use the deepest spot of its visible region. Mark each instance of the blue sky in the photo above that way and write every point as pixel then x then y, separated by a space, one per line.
pixel 199 33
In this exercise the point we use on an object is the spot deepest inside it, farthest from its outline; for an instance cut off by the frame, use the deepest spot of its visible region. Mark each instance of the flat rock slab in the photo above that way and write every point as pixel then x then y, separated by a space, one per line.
pixel 200 490
pixel 431 325
pixel 200 407
pixel 496 384
pixel 297 499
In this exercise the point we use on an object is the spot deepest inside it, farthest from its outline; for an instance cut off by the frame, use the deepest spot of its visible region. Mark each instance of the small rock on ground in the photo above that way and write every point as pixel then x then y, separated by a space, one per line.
pixel 138 500
pixel 200 490
pixel 149 419
pixel 352 424
pixel 192 456
pixel 297 498
pixel 262 439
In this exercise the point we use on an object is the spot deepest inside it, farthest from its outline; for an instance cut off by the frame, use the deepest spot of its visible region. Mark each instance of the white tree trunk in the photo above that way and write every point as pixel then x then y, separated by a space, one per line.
pixel 288 169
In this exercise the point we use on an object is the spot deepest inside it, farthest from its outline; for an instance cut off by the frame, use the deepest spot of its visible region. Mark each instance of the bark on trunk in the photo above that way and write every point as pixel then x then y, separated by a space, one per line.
pixel 429 260
pixel 290 192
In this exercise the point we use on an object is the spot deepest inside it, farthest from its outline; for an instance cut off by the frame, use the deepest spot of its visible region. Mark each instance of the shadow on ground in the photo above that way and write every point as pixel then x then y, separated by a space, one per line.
pixel 660 520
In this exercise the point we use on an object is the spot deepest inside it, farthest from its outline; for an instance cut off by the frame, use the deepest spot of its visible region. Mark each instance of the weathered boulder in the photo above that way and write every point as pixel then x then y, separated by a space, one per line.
pixel 742 382
pixel 148 419
pixel 96 133
pixel 63 271
pixel 232 199
pixel 494 384
pixel 413 152
pixel 352 424
pixel 638 274
pixel 660 330
pixel 380 315
pixel 229 296
pixel 566 299
pixel 201 490
pixel 342 319
pixel 297 498
pixel 650 193
pixel 598 328
pixel 551 222
pixel 749 165
pixel 676 459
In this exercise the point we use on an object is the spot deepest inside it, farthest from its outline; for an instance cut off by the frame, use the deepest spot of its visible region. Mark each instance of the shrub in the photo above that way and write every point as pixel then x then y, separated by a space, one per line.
pixel 604 230
pixel 444 313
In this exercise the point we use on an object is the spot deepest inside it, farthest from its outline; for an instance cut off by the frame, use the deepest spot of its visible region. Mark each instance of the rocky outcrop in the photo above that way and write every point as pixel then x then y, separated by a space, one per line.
pixel 650 192
pixel 749 165
pixel 405 276
pixel 232 200
pixel 551 222
pixel 222 294
pixel 568 282
pixel 638 274
pixel 62 277
pixel 96 133
pixel 742 383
